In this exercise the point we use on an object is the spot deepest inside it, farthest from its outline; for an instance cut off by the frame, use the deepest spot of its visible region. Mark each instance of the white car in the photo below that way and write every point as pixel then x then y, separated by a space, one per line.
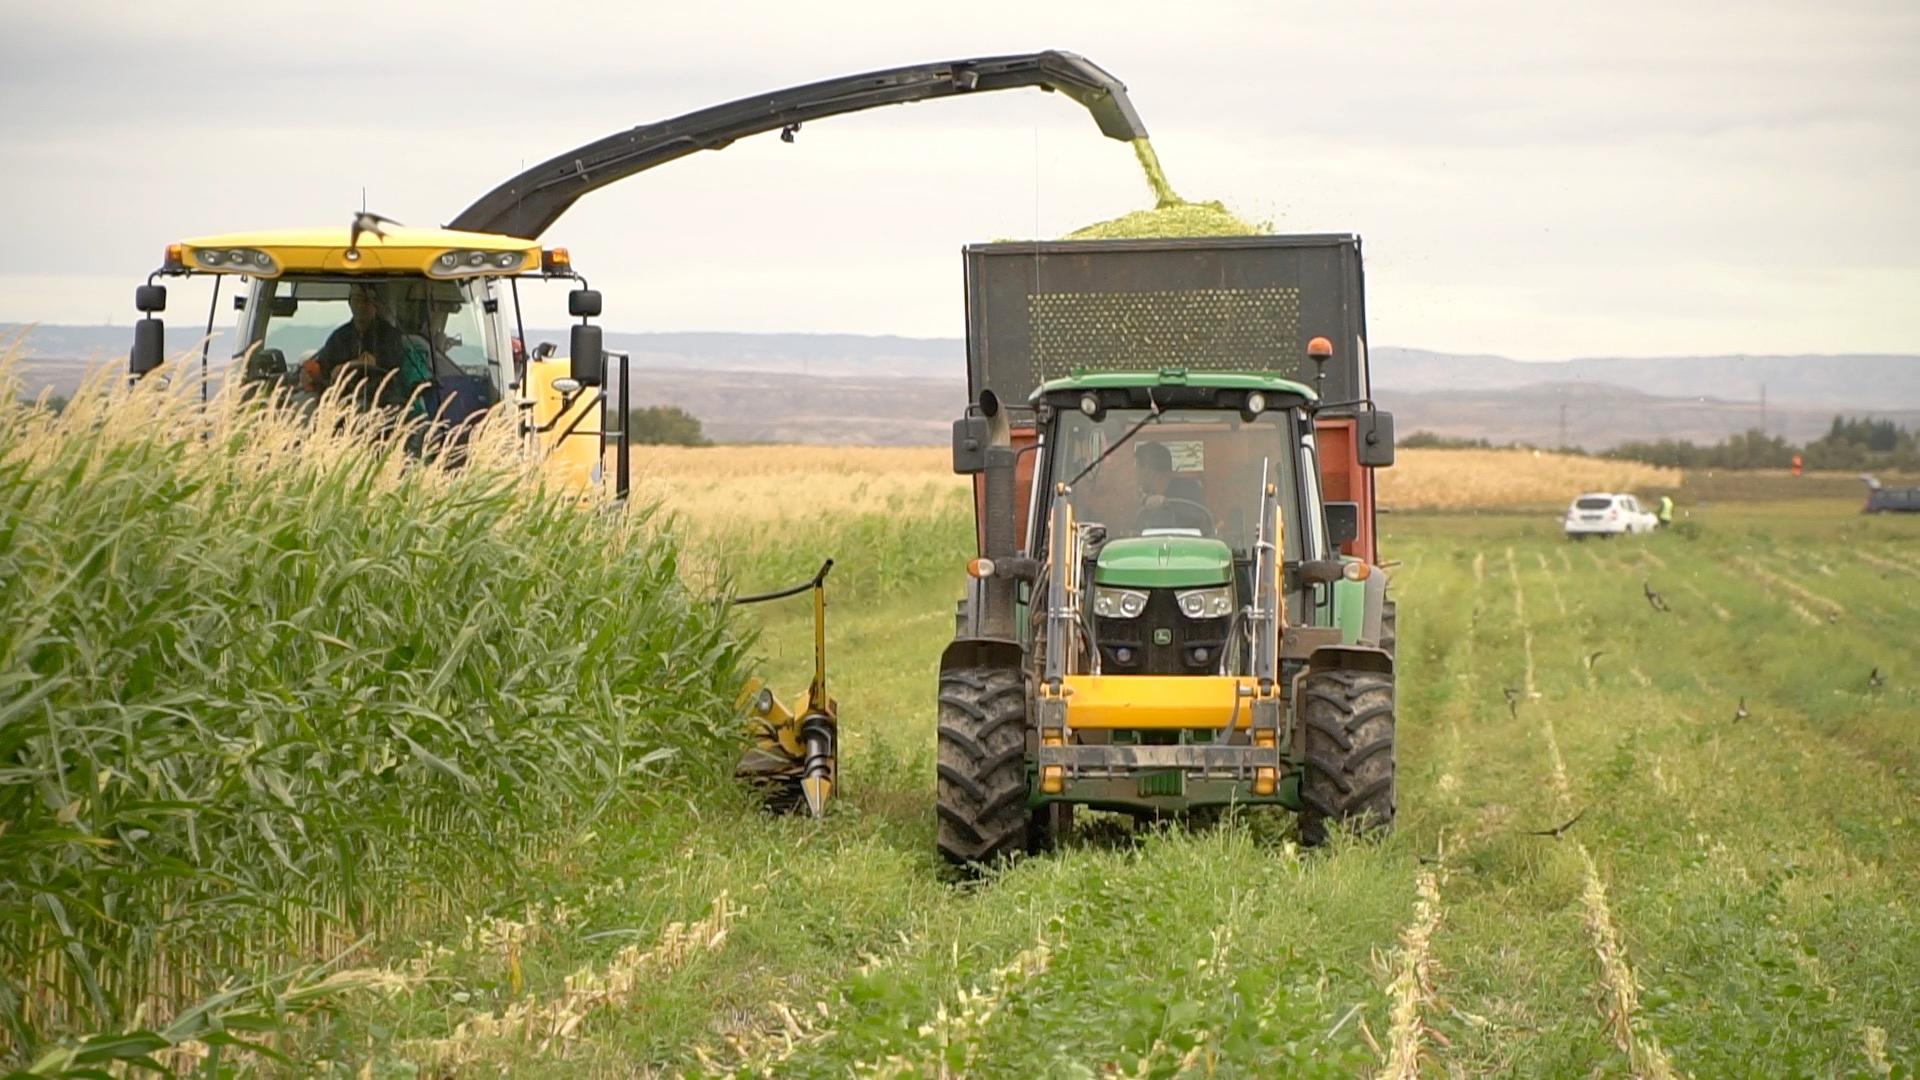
pixel 1600 513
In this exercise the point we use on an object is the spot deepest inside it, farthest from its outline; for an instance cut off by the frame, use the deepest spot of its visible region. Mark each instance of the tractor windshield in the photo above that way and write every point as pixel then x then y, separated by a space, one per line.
pixel 1192 471
pixel 430 342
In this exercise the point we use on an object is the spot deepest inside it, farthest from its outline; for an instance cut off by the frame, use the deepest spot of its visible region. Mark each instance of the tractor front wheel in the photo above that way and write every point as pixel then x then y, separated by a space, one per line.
pixel 982 796
pixel 1389 626
pixel 1349 767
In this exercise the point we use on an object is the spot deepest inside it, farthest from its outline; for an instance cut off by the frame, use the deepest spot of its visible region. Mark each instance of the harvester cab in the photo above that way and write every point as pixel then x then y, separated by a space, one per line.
pixel 1168 612
pixel 424 322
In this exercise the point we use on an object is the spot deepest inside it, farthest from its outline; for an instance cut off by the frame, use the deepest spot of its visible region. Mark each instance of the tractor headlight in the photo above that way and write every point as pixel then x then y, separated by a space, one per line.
pixel 1118 603
pixel 1206 603
pixel 1256 403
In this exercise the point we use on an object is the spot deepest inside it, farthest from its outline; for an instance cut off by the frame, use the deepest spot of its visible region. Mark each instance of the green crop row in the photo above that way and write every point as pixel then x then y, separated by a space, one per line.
pixel 270 685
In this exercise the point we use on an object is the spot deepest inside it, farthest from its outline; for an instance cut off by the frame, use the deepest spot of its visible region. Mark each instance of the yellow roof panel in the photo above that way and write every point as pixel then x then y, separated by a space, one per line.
pixel 398 236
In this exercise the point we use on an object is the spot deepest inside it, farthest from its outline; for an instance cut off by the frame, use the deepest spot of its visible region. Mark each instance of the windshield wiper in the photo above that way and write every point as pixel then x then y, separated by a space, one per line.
pixel 1153 413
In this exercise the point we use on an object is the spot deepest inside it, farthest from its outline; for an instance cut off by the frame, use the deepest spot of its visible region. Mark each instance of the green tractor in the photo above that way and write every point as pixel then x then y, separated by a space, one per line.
pixel 1169 614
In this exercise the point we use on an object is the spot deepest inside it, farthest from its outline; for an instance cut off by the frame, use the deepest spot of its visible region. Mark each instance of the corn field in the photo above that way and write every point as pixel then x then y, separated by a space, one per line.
pixel 272 686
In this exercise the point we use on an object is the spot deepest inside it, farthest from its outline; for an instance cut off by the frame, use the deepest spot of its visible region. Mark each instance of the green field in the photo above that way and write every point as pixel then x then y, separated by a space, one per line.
pixel 1737 897
pixel 389 772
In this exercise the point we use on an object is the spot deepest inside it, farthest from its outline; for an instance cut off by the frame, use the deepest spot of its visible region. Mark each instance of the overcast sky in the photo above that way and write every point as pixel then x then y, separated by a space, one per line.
pixel 1533 179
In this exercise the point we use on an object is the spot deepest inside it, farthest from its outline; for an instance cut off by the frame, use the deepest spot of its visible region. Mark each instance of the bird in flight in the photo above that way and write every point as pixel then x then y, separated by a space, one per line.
pixel 1559 830
pixel 1875 680
pixel 1659 602
pixel 1740 711
pixel 368 222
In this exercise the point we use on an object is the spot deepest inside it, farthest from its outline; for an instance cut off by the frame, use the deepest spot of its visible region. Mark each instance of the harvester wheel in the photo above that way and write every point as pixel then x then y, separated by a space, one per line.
pixel 1349 767
pixel 982 798
pixel 1389 626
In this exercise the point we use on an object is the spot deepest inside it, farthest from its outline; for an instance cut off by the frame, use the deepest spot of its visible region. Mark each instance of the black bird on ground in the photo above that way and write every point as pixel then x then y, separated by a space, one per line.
pixel 1513 695
pixel 1875 680
pixel 1659 602
pixel 1740 710
pixel 1559 830
pixel 367 222
pixel 1594 657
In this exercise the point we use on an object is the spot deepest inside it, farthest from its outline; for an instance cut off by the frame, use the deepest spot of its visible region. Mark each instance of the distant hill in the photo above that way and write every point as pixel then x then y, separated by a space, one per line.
pixel 853 388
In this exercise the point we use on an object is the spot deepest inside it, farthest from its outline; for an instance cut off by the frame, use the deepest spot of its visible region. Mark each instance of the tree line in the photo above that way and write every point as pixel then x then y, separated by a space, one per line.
pixel 1850 443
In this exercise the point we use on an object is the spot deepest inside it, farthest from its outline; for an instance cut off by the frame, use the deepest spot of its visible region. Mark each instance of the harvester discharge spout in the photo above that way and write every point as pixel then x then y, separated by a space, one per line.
pixel 794 759
pixel 529 203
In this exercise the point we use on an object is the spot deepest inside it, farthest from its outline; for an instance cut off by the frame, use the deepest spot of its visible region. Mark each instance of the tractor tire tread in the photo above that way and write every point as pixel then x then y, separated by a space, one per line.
pixel 1348 780
pixel 982 798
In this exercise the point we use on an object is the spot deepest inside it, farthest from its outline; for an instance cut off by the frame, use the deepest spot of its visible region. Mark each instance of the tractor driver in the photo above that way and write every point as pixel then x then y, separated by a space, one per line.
pixel 1168 500
pixel 368 345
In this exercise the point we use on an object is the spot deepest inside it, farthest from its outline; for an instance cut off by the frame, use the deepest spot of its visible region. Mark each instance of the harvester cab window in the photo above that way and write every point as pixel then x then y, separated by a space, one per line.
pixel 437 329
pixel 1211 463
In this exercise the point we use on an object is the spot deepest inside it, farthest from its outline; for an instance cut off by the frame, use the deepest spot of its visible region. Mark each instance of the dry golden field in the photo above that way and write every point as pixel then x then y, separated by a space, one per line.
pixel 723 484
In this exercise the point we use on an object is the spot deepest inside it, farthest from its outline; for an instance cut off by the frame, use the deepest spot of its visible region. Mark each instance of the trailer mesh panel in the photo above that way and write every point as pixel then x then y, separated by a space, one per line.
pixel 1196 329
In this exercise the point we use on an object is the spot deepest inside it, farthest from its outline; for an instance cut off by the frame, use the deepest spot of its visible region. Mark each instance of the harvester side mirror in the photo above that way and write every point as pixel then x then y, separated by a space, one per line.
pixel 149 346
pixel 1343 523
pixel 1373 435
pixel 284 307
pixel 971 434
pixel 584 303
pixel 150 299
pixel 587 360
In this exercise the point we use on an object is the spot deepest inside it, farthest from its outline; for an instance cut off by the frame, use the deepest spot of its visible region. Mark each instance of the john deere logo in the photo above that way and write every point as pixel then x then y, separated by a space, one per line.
pixel 1163 636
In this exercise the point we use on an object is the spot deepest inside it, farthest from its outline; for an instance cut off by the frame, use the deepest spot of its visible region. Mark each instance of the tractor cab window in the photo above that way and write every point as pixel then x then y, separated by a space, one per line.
pixel 426 340
pixel 1193 472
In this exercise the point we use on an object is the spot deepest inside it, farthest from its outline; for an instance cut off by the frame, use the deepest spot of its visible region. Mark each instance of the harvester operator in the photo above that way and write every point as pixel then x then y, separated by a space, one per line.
pixel 1167 499
pixel 368 345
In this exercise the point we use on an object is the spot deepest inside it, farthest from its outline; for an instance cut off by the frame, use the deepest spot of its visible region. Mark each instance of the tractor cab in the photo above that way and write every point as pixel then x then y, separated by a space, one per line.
pixel 1167 473
pixel 419 322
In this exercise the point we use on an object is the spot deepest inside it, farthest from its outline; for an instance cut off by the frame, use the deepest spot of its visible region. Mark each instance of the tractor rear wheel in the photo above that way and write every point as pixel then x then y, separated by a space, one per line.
pixel 982 787
pixel 1349 768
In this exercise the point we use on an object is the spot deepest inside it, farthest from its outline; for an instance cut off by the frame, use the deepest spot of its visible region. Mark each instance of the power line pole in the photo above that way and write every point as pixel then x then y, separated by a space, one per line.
pixel 1763 408
pixel 1563 427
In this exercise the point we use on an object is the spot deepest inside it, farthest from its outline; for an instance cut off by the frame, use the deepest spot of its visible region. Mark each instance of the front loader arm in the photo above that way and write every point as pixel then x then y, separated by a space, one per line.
pixel 530 202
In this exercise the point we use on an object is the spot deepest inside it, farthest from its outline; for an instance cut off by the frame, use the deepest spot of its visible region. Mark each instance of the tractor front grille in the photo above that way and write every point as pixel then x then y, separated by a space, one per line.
pixel 1129 646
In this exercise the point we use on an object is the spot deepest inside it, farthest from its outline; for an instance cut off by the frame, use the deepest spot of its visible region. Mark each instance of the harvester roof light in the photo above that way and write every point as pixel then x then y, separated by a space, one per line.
pixel 243 260
pixel 1320 348
pixel 556 261
pixel 176 256
pixel 980 568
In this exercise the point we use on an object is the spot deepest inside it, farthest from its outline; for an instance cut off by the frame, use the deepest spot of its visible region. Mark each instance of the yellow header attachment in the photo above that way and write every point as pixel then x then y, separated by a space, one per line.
pixel 439 253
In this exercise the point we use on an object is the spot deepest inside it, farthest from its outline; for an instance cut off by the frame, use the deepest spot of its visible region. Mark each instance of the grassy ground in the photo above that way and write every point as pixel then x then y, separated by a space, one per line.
pixel 1736 896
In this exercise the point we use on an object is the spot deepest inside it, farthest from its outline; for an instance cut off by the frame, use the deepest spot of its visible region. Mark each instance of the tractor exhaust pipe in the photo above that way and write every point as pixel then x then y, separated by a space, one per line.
pixel 996 615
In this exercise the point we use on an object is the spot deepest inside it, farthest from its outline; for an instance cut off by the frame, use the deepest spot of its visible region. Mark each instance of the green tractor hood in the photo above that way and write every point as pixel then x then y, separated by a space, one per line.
pixel 1164 562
